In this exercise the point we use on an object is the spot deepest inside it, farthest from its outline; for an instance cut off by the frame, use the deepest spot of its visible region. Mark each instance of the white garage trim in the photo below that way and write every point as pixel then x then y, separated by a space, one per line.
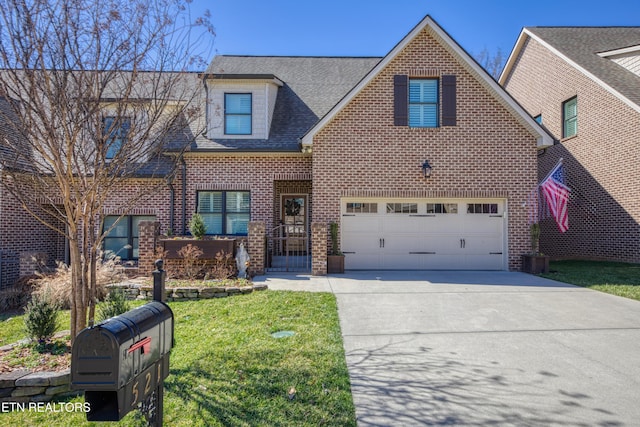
pixel 424 234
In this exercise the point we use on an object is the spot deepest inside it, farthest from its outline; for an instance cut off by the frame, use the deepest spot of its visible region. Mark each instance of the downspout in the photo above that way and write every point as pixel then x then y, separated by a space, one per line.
pixel 172 202
pixel 184 196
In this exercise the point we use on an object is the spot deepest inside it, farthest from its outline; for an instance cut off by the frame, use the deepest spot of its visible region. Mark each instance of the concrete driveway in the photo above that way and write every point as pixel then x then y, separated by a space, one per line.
pixel 483 348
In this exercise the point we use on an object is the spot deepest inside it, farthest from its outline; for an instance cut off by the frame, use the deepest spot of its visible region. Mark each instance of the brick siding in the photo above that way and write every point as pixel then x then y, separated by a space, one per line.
pixel 602 164
pixel 21 235
pixel 487 153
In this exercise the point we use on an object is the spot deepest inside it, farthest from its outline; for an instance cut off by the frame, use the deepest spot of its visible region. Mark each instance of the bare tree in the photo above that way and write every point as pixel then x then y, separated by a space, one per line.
pixel 93 92
pixel 492 63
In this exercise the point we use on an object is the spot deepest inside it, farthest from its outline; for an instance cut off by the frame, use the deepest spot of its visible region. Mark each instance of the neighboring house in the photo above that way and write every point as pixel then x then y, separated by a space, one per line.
pixel 296 142
pixel 583 85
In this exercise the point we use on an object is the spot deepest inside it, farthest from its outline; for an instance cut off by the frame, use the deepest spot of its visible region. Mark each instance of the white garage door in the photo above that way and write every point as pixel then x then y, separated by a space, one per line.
pixel 423 234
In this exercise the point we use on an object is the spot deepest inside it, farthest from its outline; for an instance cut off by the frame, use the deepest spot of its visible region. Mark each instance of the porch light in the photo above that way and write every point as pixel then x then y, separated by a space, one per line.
pixel 426 169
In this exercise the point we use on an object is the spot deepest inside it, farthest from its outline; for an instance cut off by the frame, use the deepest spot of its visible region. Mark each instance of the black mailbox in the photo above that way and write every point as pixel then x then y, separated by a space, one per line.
pixel 121 361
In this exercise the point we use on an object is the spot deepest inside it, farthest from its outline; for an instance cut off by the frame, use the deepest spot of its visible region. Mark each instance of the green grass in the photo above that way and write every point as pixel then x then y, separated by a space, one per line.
pixel 611 277
pixel 228 370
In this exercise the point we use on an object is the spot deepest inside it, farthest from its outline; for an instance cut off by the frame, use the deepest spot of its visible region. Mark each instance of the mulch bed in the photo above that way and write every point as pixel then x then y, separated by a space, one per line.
pixel 54 357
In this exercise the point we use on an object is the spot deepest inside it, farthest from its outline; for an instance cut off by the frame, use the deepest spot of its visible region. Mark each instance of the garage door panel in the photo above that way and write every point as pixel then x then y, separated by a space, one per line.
pixel 361 261
pixel 403 224
pixel 469 237
pixel 484 262
pixel 361 224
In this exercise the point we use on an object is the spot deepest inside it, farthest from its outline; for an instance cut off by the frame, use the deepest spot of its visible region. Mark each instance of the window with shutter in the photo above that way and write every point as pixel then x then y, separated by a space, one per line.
pixel 570 117
pixel 423 103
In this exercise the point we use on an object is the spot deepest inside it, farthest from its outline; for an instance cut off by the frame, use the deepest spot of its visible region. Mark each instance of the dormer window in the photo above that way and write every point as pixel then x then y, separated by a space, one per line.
pixel 237 114
pixel 116 131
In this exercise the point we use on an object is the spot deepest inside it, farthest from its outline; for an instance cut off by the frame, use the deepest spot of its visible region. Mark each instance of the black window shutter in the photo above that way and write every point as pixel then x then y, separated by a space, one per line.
pixel 448 100
pixel 400 100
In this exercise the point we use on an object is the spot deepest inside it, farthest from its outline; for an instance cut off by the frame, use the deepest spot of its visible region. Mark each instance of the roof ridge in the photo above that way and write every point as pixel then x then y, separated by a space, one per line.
pixel 600 27
pixel 301 56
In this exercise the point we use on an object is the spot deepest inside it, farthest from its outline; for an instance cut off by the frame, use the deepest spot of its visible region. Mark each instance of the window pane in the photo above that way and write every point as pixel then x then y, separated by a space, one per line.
pixel 135 224
pixel 209 202
pixel 117 129
pixel 237 223
pixel 238 201
pixel 570 116
pixel 213 222
pixel 237 103
pixel 423 115
pixel 121 228
pixel 402 207
pixel 136 248
pixel 116 246
pixel 451 208
pixel 238 125
pixel 423 90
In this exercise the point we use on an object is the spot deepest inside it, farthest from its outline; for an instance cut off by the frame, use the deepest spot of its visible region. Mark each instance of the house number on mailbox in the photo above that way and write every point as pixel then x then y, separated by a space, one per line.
pixel 146 383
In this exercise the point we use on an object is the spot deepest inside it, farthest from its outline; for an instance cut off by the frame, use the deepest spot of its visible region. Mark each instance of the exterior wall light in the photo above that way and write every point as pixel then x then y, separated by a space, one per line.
pixel 426 169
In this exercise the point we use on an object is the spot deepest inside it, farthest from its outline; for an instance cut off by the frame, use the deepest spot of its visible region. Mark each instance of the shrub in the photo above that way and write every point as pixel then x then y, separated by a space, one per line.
pixel 41 318
pixel 16 296
pixel 57 285
pixel 190 254
pixel 224 266
pixel 114 304
pixel 197 227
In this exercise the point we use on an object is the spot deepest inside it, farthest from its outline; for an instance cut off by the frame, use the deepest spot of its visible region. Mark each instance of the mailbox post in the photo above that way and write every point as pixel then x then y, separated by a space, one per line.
pixel 122 362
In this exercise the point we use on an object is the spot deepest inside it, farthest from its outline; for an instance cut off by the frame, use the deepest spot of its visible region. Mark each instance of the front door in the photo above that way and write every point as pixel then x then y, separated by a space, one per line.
pixel 294 219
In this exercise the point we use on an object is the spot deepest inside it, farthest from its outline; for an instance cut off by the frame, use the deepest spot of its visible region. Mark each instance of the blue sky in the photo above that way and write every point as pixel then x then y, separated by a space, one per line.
pixel 372 28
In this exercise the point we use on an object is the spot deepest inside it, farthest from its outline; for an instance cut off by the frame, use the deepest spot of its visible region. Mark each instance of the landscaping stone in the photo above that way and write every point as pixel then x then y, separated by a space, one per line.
pixel 22 399
pixel 60 378
pixel 9 379
pixel 27 391
pixel 52 391
pixel 41 398
pixel 4 392
pixel 260 287
pixel 207 292
pixel 35 379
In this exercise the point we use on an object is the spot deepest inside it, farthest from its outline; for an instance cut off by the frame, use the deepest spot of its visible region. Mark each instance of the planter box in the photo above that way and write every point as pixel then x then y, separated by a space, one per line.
pixel 535 264
pixel 209 247
pixel 335 264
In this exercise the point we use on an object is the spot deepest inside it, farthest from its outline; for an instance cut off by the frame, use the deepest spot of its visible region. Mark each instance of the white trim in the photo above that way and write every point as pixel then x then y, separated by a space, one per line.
pixel 518 47
pixel 623 51
pixel 543 138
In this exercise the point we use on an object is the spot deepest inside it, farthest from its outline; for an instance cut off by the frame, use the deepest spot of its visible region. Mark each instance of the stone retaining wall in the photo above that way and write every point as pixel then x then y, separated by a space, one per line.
pixel 145 292
pixel 26 386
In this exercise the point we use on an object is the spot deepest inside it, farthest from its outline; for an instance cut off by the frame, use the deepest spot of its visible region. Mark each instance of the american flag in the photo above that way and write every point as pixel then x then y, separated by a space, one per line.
pixel 556 194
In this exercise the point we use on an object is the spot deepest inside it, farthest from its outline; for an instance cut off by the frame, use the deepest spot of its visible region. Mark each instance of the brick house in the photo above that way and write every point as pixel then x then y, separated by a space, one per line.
pixel 420 156
pixel 583 85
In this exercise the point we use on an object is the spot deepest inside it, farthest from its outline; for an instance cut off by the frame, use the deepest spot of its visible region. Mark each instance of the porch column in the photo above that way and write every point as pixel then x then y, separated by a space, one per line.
pixel 255 243
pixel 148 237
pixel 318 248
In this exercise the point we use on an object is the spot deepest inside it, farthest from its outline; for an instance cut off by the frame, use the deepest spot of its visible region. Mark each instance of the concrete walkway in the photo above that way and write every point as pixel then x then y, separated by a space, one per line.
pixel 483 348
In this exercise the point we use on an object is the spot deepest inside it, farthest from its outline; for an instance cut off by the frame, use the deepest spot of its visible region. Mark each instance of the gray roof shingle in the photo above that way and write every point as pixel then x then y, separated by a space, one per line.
pixel 582 45
pixel 312 86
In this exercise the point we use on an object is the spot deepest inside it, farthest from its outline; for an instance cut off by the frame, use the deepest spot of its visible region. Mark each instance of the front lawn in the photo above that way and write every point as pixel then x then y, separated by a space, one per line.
pixel 227 368
pixel 615 278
